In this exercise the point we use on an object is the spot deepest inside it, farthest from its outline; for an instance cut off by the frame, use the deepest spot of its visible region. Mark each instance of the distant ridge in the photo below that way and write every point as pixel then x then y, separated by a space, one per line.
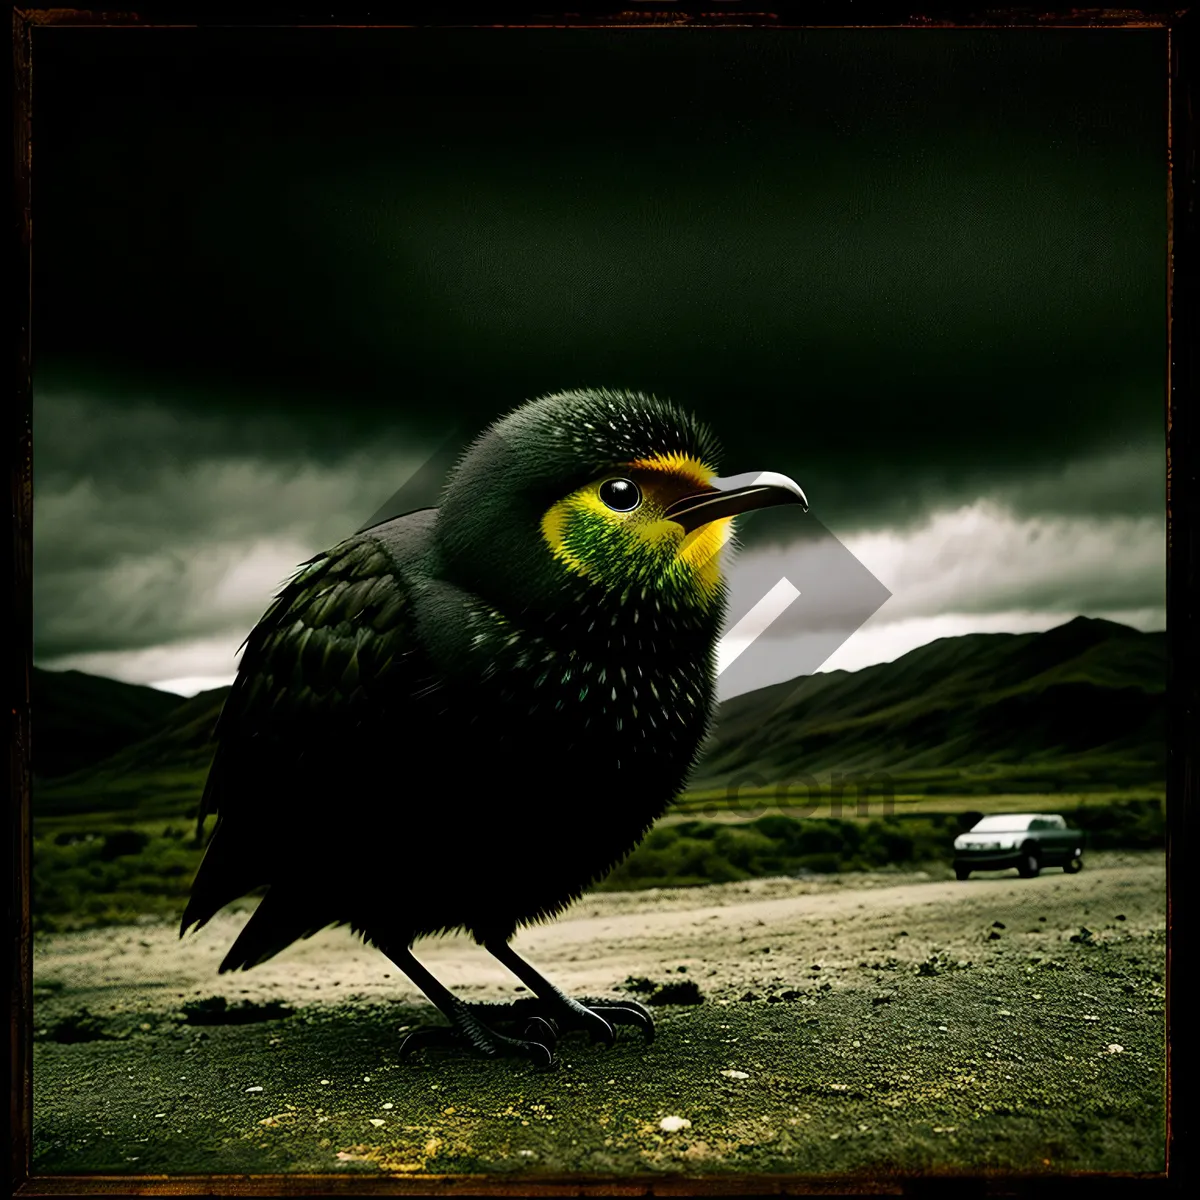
pixel 1079 705
pixel 1083 699
pixel 79 720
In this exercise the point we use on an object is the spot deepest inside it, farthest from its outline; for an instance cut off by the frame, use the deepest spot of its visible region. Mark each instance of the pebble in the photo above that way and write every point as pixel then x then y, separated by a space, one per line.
pixel 735 1074
pixel 377 1121
pixel 1114 1048
pixel 389 1106
pixel 674 1124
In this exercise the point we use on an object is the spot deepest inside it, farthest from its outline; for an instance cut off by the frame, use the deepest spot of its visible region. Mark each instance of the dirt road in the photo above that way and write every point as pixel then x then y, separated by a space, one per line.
pixel 886 1023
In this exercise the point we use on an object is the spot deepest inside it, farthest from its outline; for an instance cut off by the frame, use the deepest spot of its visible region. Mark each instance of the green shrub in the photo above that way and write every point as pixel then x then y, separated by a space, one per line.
pixel 825 864
pixel 123 842
pixel 107 875
pixel 747 849
pixel 1128 824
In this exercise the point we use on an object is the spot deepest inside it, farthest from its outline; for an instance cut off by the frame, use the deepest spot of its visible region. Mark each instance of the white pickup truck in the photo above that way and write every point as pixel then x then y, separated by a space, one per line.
pixel 1027 841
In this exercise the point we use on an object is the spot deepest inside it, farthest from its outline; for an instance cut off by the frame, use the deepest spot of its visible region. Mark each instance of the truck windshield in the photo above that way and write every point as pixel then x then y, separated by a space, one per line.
pixel 1001 825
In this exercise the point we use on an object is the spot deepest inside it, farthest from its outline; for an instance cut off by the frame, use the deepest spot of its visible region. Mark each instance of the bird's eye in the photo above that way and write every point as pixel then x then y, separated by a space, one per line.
pixel 621 495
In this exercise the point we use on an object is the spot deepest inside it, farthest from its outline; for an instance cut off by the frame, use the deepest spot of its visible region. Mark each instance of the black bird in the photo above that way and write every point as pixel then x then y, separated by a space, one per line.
pixel 462 718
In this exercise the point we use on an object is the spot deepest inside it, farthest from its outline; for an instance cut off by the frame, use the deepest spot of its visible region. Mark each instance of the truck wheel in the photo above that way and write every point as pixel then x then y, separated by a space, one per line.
pixel 1030 864
pixel 1073 865
pixel 961 873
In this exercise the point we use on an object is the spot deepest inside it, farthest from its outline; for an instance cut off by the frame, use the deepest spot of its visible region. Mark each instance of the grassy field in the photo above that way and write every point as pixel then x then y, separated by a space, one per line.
pixel 112 794
pixel 873 800
pixel 1067 721
pixel 100 871
pixel 96 869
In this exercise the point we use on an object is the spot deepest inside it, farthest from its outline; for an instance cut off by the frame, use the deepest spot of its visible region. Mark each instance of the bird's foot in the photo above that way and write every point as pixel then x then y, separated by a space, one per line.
pixel 468 1029
pixel 596 1017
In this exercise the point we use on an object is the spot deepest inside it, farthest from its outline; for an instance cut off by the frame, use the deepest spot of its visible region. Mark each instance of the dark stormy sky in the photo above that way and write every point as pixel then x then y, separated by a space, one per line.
pixel 923 272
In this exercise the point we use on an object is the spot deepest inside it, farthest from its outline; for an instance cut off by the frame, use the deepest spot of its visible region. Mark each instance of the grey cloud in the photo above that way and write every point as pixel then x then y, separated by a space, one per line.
pixel 150 527
pixel 1086 535
pixel 170 549
pixel 981 560
pixel 1125 480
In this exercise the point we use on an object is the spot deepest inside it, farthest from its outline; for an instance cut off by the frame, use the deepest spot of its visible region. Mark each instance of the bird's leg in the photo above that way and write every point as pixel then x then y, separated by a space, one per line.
pixel 597 1017
pixel 538 1042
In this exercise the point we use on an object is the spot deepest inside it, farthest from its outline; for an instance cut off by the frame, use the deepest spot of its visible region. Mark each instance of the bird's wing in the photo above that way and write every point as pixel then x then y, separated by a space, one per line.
pixel 335 652
pixel 324 648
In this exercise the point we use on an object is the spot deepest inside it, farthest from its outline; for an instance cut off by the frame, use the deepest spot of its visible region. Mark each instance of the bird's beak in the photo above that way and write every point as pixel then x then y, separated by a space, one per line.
pixel 737 494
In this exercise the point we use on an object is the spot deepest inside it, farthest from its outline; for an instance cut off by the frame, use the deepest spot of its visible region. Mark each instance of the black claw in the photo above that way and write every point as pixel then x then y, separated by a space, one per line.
pixel 532 1048
pixel 602 1030
pixel 538 1043
pixel 429 1035
pixel 600 1017
pixel 543 1032
pixel 542 1022
pixel 621 1015
pixel 623 1012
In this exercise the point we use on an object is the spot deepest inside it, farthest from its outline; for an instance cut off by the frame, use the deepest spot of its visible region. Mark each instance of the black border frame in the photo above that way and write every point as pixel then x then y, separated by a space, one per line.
pixel 1183 575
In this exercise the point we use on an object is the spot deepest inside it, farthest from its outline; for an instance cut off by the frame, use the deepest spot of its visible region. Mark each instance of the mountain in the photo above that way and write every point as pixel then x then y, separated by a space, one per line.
pixel 160 775
pixel 79 720
pixel 183 741
pixel 1082 704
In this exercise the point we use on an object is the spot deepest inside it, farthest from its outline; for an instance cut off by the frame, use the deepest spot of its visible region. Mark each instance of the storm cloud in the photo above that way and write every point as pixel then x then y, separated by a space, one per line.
pixel 156 571
pixel 922 272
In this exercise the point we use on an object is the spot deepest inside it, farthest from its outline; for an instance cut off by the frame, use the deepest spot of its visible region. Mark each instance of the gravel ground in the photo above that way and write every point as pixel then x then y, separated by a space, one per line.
pixel 871 1023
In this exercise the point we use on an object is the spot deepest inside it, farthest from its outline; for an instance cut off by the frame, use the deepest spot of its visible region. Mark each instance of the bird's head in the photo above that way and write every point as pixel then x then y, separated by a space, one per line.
pixel 609 490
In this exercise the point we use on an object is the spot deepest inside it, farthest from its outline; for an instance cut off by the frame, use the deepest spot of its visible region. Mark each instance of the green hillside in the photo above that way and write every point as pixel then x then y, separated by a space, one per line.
pixel 1068 721
pixel 79 720
pixel 160 775
pixel 1079 705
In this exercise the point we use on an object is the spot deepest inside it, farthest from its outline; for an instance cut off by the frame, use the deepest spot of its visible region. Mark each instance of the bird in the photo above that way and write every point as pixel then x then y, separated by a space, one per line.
pixel 464 717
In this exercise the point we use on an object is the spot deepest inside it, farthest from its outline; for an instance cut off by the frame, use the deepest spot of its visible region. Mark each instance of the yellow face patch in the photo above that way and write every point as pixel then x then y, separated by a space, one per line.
pixel 691 469
pixel 558 518
pixel 701 550
pixel 640 546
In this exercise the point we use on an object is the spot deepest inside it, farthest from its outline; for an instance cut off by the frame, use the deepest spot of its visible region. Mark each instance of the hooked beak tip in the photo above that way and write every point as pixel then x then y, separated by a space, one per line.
pixel 734 495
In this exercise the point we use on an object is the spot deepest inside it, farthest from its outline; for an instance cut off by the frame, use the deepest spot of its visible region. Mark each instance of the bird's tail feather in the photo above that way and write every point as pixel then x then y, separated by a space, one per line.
pixel 280 919
pixel 231 867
